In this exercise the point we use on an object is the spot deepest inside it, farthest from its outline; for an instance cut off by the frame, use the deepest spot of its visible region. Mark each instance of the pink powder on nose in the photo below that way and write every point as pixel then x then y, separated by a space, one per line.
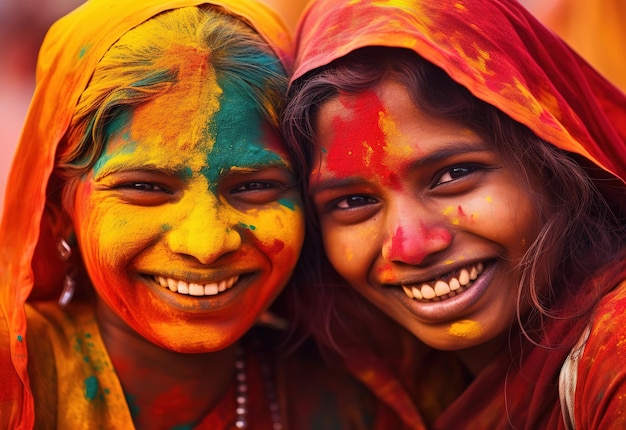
pixel 414 246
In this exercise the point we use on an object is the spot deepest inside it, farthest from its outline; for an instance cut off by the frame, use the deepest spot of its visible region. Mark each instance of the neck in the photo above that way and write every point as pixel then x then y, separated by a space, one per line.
pixel 165 388
pixel 475 359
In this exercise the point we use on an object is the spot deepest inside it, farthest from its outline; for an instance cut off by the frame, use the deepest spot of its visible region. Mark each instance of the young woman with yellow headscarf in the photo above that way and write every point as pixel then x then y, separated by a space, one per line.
pixel 151 218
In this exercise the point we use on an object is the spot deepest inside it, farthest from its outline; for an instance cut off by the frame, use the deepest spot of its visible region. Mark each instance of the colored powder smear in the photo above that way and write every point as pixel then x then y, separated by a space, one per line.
pixel 361 142
pixel 466 329
pixel 91 387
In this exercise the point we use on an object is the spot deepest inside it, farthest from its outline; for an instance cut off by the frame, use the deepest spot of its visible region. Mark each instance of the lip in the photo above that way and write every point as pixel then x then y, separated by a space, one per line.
pixel 450 308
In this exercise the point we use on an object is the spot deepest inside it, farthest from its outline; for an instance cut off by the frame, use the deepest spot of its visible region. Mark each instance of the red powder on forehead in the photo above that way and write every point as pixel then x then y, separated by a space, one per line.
pixel 358 145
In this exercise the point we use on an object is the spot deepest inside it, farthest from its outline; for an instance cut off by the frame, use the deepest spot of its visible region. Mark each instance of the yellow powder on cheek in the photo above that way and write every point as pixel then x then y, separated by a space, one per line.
pixel 466 329
pixel 450 212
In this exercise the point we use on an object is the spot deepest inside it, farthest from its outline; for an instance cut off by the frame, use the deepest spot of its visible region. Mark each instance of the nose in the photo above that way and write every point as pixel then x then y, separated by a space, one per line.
pixel 204 232
pixel 414 234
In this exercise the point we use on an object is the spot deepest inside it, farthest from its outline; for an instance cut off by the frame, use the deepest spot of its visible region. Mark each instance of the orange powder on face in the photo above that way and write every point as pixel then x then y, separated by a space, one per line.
pixel 387 274
pixel 466 329
pixel 183 114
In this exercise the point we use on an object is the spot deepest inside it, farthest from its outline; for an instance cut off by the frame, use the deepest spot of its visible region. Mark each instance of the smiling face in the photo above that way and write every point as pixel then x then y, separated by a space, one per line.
pixel 421 216
pixel 190 223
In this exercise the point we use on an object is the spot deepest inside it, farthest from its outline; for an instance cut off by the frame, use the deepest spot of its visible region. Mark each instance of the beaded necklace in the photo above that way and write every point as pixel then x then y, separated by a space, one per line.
pixel 241 421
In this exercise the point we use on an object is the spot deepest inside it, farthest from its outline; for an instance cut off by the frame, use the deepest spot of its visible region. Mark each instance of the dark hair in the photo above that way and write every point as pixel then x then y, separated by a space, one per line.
pixel 582 231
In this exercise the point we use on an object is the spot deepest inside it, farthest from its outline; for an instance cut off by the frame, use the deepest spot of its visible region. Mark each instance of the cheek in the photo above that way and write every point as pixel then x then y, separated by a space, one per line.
pixel 508 218
pixel 351 249
pixel 278 231
pixel 109 235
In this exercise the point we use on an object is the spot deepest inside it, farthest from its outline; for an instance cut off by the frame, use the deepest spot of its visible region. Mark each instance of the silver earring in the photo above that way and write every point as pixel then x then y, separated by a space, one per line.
pixel 69 283
pixel 65 250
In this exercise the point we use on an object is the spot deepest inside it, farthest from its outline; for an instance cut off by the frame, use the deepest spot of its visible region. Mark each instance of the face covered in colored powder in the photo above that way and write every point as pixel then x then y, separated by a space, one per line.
pixel 190 223
pixel 421 216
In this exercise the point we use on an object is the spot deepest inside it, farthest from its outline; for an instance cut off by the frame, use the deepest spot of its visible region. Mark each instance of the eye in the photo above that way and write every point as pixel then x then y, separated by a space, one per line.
pixel 455 172
pixel 267 190
pixel 145 186
pixel 255 186
pixel 346 209
pixel 143 193
pixel 355 201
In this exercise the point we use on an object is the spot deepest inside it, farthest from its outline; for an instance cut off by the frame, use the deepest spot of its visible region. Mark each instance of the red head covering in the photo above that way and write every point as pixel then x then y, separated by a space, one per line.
pixel 497 50
pixel 507 58
pixel 71 50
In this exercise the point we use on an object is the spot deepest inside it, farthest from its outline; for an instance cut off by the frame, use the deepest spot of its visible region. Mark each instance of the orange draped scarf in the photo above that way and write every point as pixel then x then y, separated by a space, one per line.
pixel 72 48
pixel 506 57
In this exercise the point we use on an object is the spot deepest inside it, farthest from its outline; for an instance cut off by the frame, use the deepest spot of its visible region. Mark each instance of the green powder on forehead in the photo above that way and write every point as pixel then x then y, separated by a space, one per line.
pixel 237 129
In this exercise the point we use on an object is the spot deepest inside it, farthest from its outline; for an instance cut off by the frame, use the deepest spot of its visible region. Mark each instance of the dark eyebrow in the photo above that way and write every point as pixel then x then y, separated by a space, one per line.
pixel 450 150
pixel 139 166
pixel 332 183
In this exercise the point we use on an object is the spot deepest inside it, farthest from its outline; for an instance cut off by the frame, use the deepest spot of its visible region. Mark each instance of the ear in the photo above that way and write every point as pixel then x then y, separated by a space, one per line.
pixel 48 264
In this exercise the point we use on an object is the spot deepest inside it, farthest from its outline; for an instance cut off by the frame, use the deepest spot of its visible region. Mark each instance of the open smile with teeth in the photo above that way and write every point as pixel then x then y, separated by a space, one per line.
pixel 193 289
pixel 439 289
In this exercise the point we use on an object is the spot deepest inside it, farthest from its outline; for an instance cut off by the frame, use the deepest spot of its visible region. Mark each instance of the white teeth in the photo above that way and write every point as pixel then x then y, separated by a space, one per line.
pixel 194 289
pixel 443 289
pixel 172 284
pixel 211 289
pixel 464 277
pixel 220 288
pixel 183 287
pixel 428 292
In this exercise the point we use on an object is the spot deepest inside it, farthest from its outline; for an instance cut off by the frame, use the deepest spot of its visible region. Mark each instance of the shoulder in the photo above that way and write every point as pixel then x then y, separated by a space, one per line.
pixel 608 323
pixel 49 338
pixel 600 394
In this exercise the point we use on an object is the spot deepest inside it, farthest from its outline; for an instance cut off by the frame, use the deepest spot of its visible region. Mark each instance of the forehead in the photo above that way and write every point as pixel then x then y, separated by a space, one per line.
pixel 198 123
pixel 197 112
pixel 180 116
